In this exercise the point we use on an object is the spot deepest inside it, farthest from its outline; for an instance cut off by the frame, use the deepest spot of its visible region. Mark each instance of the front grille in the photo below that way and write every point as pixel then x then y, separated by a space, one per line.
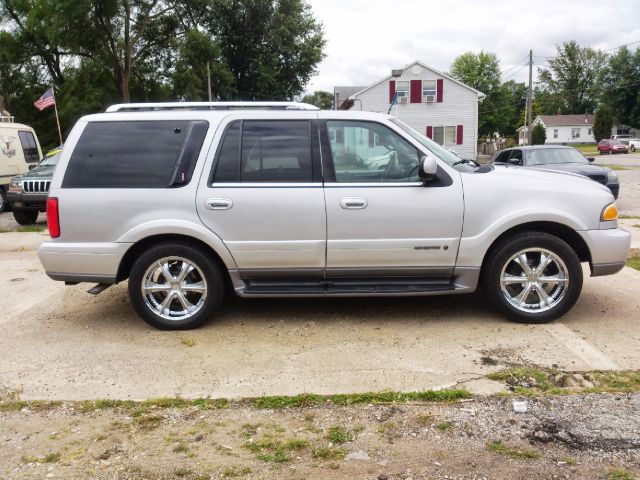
pixel 599 178
pixel 36 186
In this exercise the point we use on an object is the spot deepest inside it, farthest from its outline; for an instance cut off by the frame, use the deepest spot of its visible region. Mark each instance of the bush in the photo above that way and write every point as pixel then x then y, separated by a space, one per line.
pixel 602 123
pixel 538 135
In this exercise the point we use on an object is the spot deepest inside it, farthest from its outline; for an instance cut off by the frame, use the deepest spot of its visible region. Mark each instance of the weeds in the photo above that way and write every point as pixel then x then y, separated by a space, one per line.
pixel 444 426
pixel 329 453
pixel 515 453
pixel 338 435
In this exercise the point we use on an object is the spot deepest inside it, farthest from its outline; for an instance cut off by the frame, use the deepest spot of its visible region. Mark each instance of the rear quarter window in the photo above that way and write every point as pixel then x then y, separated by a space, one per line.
pixel 136 154
pixel 29 147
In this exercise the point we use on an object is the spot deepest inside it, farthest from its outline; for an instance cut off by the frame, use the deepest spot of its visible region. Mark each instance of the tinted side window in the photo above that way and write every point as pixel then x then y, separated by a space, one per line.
pixel 503 157
pixel 29 147
pixel 228 165
pixel 136 154
pixel 276 151
pixel 265 151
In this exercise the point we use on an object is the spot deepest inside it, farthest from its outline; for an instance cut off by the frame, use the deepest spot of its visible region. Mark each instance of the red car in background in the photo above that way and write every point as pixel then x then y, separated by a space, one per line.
pixel 612 146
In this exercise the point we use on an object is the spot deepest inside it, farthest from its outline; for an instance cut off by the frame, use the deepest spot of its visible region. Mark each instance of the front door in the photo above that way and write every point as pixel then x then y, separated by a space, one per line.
pixel 382 220
pixel 265 198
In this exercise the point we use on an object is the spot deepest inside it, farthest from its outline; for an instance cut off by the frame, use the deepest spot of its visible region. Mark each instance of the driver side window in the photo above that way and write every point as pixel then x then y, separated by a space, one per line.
pixel 370 152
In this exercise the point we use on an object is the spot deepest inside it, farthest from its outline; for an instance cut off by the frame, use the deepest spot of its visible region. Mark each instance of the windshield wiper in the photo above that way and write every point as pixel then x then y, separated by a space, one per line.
pixel 466 160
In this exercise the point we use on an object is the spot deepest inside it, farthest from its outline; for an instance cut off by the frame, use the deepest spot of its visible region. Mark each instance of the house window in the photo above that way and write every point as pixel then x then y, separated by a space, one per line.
pixel 575 133
pixel 402 90
pixel 429 90
pixel 555 133
pixel 445 135
pixel 590 131
pixel 450 135
pixel 438 135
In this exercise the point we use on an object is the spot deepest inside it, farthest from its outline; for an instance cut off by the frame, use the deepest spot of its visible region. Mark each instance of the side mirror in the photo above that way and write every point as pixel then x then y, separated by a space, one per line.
pixel 32 166
pixel 515 161
pixel 428 167
pixel 591 159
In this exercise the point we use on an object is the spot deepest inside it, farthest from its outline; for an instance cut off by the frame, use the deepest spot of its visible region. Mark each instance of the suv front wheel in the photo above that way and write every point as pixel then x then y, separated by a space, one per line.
pixel 175 286
pixel 534 277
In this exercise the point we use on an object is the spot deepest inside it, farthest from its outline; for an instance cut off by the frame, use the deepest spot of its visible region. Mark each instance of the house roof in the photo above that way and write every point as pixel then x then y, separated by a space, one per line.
pixel 343 94
pixel 566 120
pixel 423 65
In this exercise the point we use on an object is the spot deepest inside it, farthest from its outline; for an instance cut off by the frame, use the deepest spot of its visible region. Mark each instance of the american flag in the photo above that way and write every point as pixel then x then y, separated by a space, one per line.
pixel 46 100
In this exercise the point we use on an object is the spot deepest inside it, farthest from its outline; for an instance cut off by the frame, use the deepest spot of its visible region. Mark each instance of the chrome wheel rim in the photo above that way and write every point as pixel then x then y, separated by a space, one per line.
pixel 534 280
pixel 174 288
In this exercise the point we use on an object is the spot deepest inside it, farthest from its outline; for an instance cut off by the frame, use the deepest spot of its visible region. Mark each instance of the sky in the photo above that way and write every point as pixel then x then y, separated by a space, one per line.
pixel 368 38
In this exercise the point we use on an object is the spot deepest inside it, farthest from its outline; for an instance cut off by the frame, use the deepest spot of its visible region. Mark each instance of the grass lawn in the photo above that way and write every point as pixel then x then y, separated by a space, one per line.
pixel 587 149
pixel 634 260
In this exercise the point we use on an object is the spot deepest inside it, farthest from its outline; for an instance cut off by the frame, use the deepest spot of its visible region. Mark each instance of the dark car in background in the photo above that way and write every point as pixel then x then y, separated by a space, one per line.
pixel 559 158
pixel 28 192
pixel 612 146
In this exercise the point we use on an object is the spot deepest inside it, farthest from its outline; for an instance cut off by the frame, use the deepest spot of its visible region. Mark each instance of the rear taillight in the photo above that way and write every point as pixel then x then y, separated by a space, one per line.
pixel 53 217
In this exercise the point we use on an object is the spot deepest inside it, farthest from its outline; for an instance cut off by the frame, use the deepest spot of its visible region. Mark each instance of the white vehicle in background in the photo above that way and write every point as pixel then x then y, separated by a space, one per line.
pixel 634 144
pixel 19 151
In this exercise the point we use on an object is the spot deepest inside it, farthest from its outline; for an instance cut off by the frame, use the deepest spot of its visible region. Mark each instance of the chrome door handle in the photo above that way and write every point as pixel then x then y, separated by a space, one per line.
pixel 353 202
pixel 218 203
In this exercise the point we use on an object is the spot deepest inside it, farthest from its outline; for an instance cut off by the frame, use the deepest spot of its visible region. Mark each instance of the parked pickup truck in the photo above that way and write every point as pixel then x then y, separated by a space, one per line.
pixel 634 144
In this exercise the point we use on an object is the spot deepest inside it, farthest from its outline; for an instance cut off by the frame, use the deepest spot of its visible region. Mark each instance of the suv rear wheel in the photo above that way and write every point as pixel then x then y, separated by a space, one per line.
pixel 175 286
pixel 4 203
pixel 25 217
pixel 534 277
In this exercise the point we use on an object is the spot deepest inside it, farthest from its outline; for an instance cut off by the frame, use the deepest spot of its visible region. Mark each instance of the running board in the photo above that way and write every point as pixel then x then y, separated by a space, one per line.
pixel 349 287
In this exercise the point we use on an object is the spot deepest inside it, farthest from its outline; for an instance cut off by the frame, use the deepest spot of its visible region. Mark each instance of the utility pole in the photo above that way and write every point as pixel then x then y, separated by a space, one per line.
pixel 530 98
pixel 209 81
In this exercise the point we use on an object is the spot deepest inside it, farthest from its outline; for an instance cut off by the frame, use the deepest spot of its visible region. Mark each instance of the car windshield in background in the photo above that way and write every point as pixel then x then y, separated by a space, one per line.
pixel 429 144
pixel 616 142
pixel 50 161
pixel 552 156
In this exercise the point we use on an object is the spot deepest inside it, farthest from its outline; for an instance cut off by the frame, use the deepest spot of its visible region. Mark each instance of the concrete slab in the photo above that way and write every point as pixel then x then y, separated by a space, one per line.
pixel 62 343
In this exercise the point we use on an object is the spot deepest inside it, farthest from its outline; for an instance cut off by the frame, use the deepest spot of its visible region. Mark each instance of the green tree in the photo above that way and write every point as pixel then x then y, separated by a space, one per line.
pixel 538 134
pixel 572 78
pixel 189 79
pixel 513 99
pixel 602 123
pixel 621 90
pixel 271 47
pixel 482 72
pixel 319 98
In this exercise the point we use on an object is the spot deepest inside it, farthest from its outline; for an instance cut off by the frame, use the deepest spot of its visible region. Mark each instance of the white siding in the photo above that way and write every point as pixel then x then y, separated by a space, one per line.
pixel 458 107
pixel 564 134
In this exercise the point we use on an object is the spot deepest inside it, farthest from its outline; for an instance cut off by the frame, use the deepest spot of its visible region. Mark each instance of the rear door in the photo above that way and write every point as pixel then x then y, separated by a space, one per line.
pixel 264 196
pixel 382 220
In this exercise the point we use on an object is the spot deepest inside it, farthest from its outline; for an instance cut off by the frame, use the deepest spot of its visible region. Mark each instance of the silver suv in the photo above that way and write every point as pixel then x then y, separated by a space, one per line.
pixel 283 200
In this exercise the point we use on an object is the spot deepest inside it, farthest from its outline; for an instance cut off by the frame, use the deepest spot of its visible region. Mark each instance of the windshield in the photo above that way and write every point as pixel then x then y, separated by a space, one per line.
pixel 429 144
pixel 617 142
pixel 550 156
pixel 50 161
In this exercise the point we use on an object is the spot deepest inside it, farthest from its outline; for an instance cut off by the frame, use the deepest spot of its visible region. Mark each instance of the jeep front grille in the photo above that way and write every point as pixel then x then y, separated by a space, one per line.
pixel 36 186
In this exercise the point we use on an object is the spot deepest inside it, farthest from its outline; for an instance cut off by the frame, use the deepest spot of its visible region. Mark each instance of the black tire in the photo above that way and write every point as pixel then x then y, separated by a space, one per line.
pixel 498 258
pixel 632 148
pixel 209 269
pixel 25 217
pixel 4 203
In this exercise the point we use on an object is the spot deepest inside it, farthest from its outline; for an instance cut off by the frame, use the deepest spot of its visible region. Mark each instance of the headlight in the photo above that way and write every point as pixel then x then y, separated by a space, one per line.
pixel 609 213
pixel 15 186
pixel 612 177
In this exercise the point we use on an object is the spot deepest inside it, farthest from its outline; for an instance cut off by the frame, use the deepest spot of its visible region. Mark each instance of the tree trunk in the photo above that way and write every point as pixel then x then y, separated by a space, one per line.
pixel 124 87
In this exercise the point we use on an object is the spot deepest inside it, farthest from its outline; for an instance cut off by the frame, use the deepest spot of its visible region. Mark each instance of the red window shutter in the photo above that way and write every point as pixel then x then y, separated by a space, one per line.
pixel 416 91
pixel 430 132
pixel 459 135
pixel 371 138
pixel 439 84
pixel 392 90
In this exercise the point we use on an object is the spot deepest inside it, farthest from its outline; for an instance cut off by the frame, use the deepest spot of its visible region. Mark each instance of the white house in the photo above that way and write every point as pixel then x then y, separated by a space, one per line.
pixel 436 105
pixel 563 129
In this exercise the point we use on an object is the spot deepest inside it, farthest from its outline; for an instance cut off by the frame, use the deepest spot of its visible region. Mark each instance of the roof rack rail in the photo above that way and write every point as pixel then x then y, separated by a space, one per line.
pixel 145 107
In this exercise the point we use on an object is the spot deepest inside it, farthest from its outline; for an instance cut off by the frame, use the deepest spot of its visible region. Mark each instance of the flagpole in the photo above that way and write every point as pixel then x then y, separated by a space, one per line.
pixel 55 106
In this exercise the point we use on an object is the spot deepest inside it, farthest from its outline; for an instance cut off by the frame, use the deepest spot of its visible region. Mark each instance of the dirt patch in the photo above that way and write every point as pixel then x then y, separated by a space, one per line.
pixel 570 436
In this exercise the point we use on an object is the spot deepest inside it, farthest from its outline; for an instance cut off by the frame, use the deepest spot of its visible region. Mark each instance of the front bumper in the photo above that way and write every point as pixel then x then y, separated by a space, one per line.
pixel 609 249
pixel 28 201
